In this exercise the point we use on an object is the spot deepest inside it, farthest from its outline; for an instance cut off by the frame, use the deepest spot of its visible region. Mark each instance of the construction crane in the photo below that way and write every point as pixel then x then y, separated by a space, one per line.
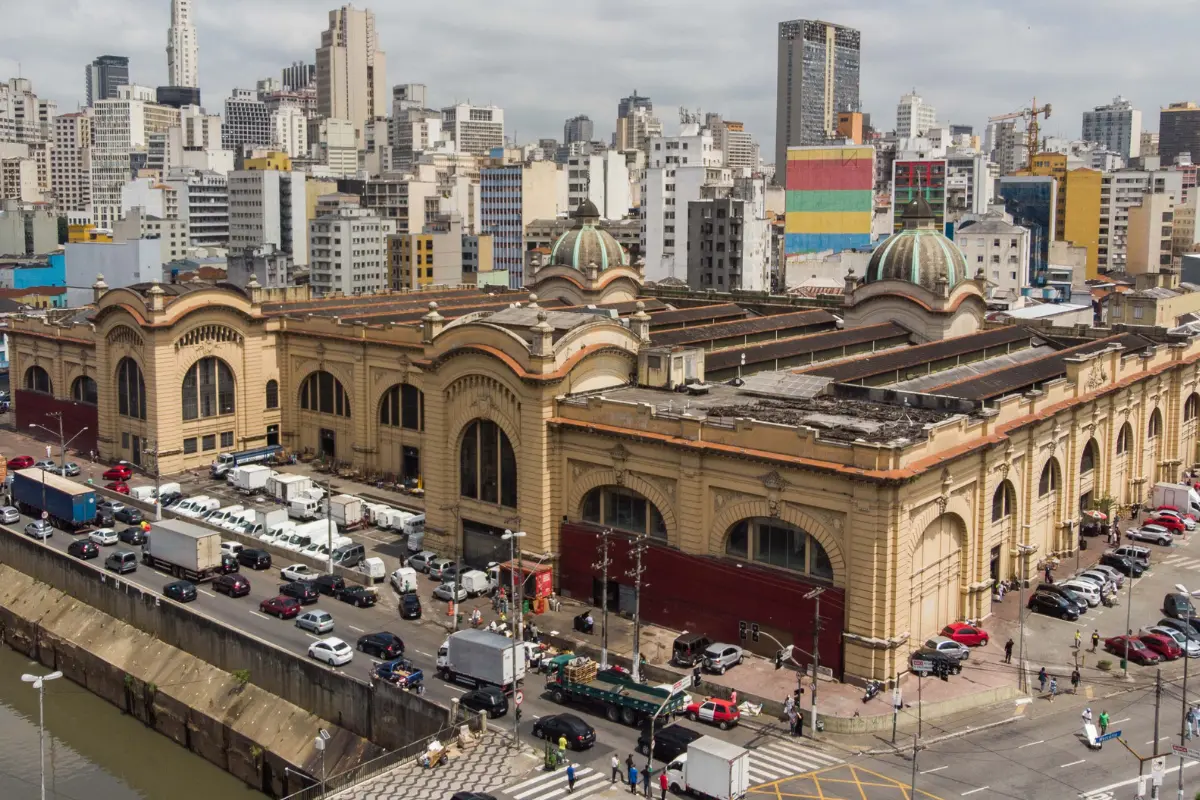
pixel 1030 115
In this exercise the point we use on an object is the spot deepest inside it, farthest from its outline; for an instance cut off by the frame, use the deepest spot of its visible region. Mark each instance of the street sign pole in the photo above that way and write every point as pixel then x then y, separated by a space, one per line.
pixel 895 711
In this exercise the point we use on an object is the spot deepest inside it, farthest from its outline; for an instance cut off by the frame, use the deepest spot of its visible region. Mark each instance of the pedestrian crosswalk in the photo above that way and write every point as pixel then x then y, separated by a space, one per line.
pixel 783 758
pixel 553 785
pixel 1179 562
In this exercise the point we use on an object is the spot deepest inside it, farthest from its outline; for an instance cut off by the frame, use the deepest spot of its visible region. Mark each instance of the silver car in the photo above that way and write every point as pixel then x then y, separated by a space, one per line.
pixel 39 529
pixel 446 591
pixel 69 469
pixel 948 647
pixel 316 621
pixel 9 515
pixel 1150 533
pixel 720 656
pixel 420 561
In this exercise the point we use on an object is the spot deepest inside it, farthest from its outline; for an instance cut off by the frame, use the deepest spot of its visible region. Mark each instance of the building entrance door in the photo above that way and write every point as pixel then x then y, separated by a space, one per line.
pixel 328 440
pixel 272 435
pixel 136 442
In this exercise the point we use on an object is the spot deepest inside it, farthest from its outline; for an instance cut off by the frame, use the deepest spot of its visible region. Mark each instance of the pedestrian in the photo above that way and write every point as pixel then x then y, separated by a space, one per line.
pixel 632 779
pixel 1042 678
pixel 792 717
pixel 570 778
pixel 646 781
pixel 1189 720
pixel 1196 719
pixel 616 768
pixel 1049 578
pixel 1053 688
pixel 1008 646
pixel 787 705
pixel 1087 716
pixel 662 785
pixel 1095 640
pixel 1075 678
pixel 562 746
pixel 629 761
pixel 1103 722
pixel 1078 639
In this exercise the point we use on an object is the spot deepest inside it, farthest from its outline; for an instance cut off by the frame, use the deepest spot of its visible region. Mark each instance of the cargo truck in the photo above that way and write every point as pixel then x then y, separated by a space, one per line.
pixel 711 768
pixel 250 479
pixel 623 699
pixel 347 511
pixel 400 672
pixel 227 461
pixel 183 549
pixel 1184 499
pixel 285 487
pixel 479 658
pixel 69 506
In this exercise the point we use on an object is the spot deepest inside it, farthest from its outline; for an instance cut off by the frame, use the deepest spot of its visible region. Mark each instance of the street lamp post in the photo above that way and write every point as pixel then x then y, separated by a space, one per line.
pixel 603 565
pixel 511 537
pixel 39 683
pixel 157 481
pixel 1023 551
pixel 319 743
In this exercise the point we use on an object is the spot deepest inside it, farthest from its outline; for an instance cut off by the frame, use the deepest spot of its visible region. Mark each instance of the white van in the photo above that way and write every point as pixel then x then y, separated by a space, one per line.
pixel 320 550
pixel 404 580
pixel 295 541
pixel 143 493
pixel 193 507
pixel 277 531
pixel 476 583
pixel 303 508
pixel 412 527
pixel 219 516
pixel 239 520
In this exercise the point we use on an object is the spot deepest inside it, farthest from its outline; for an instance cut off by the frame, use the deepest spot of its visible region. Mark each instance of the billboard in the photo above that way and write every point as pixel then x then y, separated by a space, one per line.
pixel 830 198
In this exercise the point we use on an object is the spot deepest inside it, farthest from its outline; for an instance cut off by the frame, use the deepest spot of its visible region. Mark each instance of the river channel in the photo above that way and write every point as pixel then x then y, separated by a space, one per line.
pixel 93 751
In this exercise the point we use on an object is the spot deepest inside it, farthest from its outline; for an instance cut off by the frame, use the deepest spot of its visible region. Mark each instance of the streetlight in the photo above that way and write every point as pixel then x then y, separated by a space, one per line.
pixel 1023 550
pixel 62 441
pixel 1179 587
pixel 319 743
pixel 511 537
pixel 39 683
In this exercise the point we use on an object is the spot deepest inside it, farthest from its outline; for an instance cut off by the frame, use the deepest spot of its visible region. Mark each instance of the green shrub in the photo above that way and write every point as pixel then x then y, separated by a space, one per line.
pixel 1104 664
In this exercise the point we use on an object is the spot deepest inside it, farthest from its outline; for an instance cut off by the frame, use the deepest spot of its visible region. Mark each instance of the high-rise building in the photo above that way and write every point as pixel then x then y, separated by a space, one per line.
pixel 414 130
pixel 627 105
pixel 1032 201
pixel 104 75
pixel 1077 208
pixel 637 128
pixel 1150 245
pixel 18 180
pixel 1178 132
pixel 919 178
pixel 1009 149
pixel 817 77
pixel 71 162
pixel 203 202
pixel 247 121
pixel 1121 191
pixel 914 116
pixel 200 131
pixel 267 206
pixel 409 95
pixel 511 197
pixel 602 178
pixel 737 146
pixel 24 117
pixel 729 242
pixel 1117 126
pixel 290 131
pixel 121 131
pixel 1149 144
pixel 351 69
pixel 332 143
pixel 182 49
pixel 358 269
pixel 299 76
pixel 474 129
pixel 578 129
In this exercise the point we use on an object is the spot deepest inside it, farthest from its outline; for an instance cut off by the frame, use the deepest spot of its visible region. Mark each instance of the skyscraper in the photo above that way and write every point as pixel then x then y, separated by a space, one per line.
pixel 817 77
pixel 1178 132
pixel 182 51
pixel 104 75
pixel 577 129
pixel 626 105
pixel 299 75
pixel 914 116
pixel 1117 126
pixel 351 70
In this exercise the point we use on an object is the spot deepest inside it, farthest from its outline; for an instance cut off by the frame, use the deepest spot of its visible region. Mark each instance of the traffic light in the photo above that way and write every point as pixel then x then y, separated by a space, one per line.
pixel 695 677
pixel 779 659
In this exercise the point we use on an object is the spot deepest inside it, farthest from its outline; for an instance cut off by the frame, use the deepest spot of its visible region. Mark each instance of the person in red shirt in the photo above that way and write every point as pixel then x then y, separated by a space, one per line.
pixel 662 785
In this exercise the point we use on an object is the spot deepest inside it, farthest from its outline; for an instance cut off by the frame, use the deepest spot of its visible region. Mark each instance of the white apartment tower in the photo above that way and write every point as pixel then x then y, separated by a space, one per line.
pixel 71 162
pixel 289 128
pixel 203 202
pixel 120 127
pixel 474 129
pixel 914 116
pixel 349 251
pixel 735 143
pixel 1117 126
pixel 182 50
pixel 602 178
pixel 267 206
pixel 351 69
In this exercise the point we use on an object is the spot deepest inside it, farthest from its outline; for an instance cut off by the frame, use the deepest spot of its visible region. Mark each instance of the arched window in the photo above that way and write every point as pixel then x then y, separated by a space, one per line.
pixel 403 406
pixel 272 394
pixel 1087 462
pixel 1155 426
pixel 208 389
pixel 83 390
pixel 1190 407
pixel 131 389
pixel 1049 480
pixel 323 393
pixel 627 510
pixel 1124 439
pixel 487 465
pixel 1003 501
pixel 774 542
pixel 38 380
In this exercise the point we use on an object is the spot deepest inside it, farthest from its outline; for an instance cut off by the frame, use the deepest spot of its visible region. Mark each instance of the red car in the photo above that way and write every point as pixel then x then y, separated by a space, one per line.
pixel 282 607
pixel 1166 647
pixel 118 486
pixel 120 472
pixel 1138 652
pixel 716 711
pixel 966 634
pixel 20 462
pixel 1173 524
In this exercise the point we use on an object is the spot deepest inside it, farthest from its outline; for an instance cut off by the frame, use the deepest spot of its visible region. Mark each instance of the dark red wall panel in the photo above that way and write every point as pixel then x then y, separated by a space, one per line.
pixel 36 407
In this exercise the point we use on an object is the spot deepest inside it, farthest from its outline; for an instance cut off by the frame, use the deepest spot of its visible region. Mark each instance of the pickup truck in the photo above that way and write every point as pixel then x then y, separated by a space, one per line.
pixel 400 672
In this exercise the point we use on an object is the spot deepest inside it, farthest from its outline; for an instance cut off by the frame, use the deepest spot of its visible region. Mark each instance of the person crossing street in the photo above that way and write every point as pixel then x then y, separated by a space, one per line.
pixel 1103 722
pixel 570 778
pixel 616 768
pixel 1008 648
pixel 1095 640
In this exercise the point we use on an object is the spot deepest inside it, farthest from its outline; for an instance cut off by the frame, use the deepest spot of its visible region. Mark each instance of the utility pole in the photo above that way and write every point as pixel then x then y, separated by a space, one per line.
pixel 1023 551
pixel 157 480
pixel 815 595
pixel 636 573
pixel 912 786
pixel 1157 703
pixel 39 683
pixel 603 564
pixel 1183 697
pixel 514 566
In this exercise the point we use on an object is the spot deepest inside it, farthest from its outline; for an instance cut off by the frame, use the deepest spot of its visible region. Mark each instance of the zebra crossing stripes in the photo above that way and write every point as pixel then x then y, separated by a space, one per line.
pixel 553 785
pixel 783 759
pixel 1182 562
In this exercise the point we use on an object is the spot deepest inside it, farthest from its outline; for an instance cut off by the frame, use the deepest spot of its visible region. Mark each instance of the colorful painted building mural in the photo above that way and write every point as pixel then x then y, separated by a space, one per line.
pixel 829 198
pixel 912 177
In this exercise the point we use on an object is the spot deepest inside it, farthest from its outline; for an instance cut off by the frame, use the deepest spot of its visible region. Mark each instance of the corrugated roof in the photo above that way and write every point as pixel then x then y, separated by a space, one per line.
pixel 800 345
pixel 860 368
pixel 744 327
pixel 680 316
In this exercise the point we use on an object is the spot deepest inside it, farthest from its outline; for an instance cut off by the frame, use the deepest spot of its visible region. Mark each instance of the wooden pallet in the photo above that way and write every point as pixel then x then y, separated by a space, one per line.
pixel 581 671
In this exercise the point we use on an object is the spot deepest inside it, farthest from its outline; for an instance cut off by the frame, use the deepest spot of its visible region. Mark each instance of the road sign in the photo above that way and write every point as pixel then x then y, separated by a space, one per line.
pixel 1158 768
pixel 919 665
pixel 1110 735
pixel 1180 750
pixel 681 684
pixel 518 697
pixel 45 515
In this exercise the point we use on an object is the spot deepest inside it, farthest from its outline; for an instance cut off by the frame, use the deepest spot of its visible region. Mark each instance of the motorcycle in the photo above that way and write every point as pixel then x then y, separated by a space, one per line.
pixel 873 688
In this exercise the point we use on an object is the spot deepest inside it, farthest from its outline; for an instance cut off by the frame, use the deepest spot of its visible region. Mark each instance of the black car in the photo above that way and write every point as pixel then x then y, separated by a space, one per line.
pixel 381 645
pixel 229 564
pixel 1188 627
pixel 580 735
pixel 488 700
pixel 1073 597
pixel 254 559
pixel 128 515
pixel 104 517
pixel 1122 564
pixel 1053 604
pixel 357 595
pixel 83 548
pixel 304 592
pixel 132 535
pixel 181 591
pixel 331 585
pixel 669 742
pixel 232 585
pixel 934 657
pixel 410 606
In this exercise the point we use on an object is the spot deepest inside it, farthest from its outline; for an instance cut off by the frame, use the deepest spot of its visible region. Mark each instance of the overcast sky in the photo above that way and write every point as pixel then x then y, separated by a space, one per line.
pixel 544 61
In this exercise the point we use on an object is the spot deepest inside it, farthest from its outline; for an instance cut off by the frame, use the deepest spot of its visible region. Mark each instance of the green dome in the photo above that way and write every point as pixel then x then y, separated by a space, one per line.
pixel 587 243
pixel 918 254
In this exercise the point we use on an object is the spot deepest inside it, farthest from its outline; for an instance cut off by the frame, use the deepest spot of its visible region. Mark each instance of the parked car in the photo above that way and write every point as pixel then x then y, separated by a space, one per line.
pixel 1189 522
pixel 83 548
pixel 420 561
pixel 113 506
pixel 254 559
pixel 447 591
pixel 1188 627
pixel 1164 646
pixel 489 700
pixel 1155 534
pixel 381 645
pixel 1085 589
pixel 233 548
pixel 948 646
pixel 1186 641
pixel 1114 574
pixel 410 606
pixel 304 592
pixel 931 658
pixel 121 561
pixel 1178 606
pixel 104 536
pixel 180 591
pixel 1101 578
pixel 48 464
pixel 129 515
pixel 39 529
pixel 1138 652
pixel 282 607
pixel 716 711
pixel 963 633
pixel 1134 552
pixel 688 649
pixel 69 470
pixel 332 651
pixel 1054 605
pixel 317 621
pixel 117 472
pixel 1081 605
pixel 104 516
pixel 232 585
pixel 20 462
pixel 120 487
pixel 132 535
pixel 720 656
pixel 360 596
pixel 580 735
pixel 438 566
pixel 329 584
pixel 1173 524
pixel 670 742
pixel 9 515
pixel 298 572
pixel 1126 566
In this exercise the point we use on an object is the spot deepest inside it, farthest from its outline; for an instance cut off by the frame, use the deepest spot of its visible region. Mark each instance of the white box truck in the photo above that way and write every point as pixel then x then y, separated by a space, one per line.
pixel 1185 499
pixel 183 549
pixel 711 768
pixel 286 487
pixel 479 658
pixel 250 479
pixel 347 511
pixel 262 521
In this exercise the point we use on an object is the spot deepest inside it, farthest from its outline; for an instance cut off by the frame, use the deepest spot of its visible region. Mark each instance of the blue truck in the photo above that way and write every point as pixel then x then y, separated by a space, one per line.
pixel 400 672
pixel 227 461
pixel 69 506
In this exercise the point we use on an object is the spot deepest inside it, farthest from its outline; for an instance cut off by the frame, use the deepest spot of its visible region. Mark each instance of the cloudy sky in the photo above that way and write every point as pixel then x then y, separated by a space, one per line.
pixel 544 61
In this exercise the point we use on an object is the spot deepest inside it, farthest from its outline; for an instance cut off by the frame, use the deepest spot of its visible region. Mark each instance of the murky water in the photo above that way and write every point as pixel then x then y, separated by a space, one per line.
pixel 93 751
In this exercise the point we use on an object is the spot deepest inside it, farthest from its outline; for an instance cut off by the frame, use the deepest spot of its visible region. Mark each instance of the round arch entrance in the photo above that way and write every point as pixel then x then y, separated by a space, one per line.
pixel 937 566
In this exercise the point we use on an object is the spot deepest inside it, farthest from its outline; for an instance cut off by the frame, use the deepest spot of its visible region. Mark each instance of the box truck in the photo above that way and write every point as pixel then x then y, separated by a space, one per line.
pixel 69 506
pixel 250 479
pixel 303 508
pixel 261 521
pixel 1185 499
pixel 711 768
pixel 286 487
pixel 183 549
pixel 347 511
pixel 479 658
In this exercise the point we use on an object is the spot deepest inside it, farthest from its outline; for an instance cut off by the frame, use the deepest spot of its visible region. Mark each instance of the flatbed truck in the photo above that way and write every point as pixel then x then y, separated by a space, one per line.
pixel 622 698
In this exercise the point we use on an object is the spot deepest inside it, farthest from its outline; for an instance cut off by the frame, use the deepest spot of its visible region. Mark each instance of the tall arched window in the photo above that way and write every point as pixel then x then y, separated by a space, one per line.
pixel 272 394
pixel 38 380
pixel 403 406
pixel 323 393
pixel 1087 462
pixel 1124 439
pixel 1050 479
pixel 625 509
pixel 1190 407
pixel 487 464
pixel 83 390
pixel 1004 501
pixel 1155 426
pixel 208 389
pixel 131 390
pixel 778 544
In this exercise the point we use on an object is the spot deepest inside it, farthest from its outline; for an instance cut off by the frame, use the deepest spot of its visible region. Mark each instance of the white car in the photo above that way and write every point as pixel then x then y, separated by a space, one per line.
pixel 298 572
pixel 1086 589
pixel 1190 643
pixel 104 537
pixel 332 651
pixel 10 515
pixel 318 551
pixel 448 590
